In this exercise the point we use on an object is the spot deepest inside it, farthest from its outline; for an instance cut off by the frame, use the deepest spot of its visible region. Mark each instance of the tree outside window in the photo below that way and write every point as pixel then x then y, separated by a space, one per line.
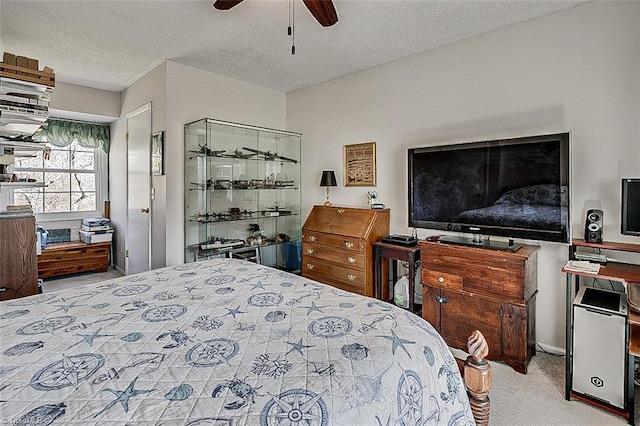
pixel 70 174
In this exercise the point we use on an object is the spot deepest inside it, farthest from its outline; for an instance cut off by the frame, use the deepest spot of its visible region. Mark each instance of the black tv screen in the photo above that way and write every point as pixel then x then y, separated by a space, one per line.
pixel 516 188
pixel 631 207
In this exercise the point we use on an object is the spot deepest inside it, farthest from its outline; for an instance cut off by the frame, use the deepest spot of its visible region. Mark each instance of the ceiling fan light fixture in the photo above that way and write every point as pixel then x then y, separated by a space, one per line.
pixel 225 4
pixel 323 10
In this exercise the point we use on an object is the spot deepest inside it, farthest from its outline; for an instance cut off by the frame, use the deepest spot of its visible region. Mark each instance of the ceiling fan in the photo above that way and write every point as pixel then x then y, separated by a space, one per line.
pixel 322 10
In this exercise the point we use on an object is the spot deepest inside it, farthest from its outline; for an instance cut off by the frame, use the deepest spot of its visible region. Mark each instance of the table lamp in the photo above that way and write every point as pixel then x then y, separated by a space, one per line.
pixel 328 179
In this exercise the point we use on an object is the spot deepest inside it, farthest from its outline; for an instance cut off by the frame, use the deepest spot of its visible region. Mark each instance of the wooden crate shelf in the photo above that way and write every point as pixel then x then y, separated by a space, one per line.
pixel 26 69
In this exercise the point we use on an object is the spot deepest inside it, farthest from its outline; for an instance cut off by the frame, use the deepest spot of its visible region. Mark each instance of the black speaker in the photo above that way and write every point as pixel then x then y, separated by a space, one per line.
pixel 593 226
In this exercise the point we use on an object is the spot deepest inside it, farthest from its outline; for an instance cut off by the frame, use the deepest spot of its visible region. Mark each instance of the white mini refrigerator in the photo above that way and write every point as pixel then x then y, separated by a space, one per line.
pixel 599 345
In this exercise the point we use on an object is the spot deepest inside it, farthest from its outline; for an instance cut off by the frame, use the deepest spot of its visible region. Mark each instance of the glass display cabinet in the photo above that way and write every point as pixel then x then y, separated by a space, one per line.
pixel 242 193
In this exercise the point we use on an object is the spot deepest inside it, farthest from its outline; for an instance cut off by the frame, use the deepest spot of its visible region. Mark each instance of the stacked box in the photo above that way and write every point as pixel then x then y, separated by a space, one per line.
pixel 96 230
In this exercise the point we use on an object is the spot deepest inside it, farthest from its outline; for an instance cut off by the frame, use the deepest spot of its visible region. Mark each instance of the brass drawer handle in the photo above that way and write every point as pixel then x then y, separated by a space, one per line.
pixel 340 210
pixel 348 244
pixel 309 251
pixel 351 277
pixel 309 266
pixel 351 259
pixel 313 238
pixel 440 279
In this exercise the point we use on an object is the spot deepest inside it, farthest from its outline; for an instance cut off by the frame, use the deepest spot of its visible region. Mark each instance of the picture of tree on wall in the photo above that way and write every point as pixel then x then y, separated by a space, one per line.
pixel 157 157
pixel 360 164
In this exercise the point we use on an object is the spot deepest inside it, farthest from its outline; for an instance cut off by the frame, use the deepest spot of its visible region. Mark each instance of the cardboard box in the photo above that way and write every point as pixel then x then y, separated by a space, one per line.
pixel 9 58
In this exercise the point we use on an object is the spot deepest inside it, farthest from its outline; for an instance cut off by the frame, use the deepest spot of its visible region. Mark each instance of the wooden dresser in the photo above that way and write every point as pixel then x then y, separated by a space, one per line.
pixel 18 267
pixel 468 288
pixel 336 246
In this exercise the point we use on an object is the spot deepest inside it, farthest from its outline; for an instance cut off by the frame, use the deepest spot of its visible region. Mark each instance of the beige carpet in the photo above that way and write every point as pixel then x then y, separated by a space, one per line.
pixel 54 284
pixel 536 398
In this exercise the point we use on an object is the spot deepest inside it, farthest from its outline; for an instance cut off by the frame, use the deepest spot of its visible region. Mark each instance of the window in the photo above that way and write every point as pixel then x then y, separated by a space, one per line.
pixel 74 178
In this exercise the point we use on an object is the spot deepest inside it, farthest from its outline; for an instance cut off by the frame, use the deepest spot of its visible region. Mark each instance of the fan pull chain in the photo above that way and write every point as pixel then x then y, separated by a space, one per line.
pixel 289 31
pixel 292 26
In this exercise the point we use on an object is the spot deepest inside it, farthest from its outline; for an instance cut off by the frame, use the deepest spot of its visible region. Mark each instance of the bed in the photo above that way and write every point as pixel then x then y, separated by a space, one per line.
pixel 224 342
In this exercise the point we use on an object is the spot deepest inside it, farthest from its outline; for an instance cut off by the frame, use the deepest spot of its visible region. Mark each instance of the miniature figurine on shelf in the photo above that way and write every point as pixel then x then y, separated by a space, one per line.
pixel 252 240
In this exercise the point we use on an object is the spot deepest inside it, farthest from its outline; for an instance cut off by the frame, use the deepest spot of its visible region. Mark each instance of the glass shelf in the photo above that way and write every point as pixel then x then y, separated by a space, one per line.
pixel 242 182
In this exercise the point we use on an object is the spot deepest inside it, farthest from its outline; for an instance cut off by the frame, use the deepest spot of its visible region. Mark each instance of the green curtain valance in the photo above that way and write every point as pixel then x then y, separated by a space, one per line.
pixel 62 133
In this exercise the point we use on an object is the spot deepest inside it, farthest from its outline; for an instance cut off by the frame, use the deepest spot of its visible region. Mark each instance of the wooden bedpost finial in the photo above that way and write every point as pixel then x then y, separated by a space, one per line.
pixel 477 377
pixel 477 345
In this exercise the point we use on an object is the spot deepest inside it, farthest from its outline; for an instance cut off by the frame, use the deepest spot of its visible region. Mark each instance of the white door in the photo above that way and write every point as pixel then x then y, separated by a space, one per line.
pixel 138 239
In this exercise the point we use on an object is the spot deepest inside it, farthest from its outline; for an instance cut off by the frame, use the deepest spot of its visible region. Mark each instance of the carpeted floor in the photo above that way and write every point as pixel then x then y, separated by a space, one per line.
pixel 536 398
pixel 54 284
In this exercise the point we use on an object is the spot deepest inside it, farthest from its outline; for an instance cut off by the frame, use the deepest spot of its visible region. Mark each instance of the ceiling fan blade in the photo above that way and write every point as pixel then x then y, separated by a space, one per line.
pixel 225 4
pixel 322 10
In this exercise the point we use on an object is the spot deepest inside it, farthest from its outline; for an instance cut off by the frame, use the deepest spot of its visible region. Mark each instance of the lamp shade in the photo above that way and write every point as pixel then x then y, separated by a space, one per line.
pixel 328 178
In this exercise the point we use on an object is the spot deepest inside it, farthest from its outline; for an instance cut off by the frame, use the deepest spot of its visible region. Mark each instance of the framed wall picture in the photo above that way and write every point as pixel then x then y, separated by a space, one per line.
pixel 360 164
pixel 157 157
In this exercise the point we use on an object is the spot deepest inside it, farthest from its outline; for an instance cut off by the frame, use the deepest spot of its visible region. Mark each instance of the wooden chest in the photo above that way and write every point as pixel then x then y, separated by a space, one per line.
pixel 73 257
pixel 468 288
pixel 336 246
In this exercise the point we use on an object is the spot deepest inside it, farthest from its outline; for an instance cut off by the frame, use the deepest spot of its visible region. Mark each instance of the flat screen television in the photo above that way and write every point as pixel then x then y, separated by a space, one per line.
pixel 631 206
pixel 515 188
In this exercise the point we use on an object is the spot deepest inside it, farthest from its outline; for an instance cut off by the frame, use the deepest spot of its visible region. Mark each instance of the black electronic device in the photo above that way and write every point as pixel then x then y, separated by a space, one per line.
pixel 630 207
pixel 515 188
pixel 593 226
pixel 403 240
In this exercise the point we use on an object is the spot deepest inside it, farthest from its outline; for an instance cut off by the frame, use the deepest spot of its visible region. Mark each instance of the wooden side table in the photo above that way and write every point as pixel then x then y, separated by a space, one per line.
pixel 383 252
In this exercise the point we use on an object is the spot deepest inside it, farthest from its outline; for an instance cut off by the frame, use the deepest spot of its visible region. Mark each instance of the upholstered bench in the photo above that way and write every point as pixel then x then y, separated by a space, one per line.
pixel 72 257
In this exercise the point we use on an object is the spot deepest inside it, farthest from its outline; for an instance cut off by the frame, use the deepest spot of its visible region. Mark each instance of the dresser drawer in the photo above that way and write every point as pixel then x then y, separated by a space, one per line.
pixel 352 279
pixel 336 241
pixel 441 279
pixel 483 271
pixel 340 257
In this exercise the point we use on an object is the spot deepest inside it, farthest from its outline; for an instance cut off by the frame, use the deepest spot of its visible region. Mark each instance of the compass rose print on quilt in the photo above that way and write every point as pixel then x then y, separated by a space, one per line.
pixel 222 342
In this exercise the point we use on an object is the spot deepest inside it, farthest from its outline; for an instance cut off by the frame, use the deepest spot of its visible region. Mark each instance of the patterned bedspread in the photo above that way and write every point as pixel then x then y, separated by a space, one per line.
pixel 222 342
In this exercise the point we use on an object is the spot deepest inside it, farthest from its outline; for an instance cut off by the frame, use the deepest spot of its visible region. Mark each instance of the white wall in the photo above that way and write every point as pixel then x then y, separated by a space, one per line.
pixel 576 70
pixel 150 88
pixel 179 95
pixel 80 102
pixel 194 94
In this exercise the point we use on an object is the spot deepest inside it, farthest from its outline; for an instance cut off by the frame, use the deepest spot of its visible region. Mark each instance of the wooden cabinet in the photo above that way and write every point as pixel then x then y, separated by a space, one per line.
pixel 18 267
pixel 468 288
pixel 73 257
pixel 337 246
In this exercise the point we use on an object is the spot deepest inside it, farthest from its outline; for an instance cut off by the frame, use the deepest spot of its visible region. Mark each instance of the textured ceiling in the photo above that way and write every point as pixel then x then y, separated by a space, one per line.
pixel 110 44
